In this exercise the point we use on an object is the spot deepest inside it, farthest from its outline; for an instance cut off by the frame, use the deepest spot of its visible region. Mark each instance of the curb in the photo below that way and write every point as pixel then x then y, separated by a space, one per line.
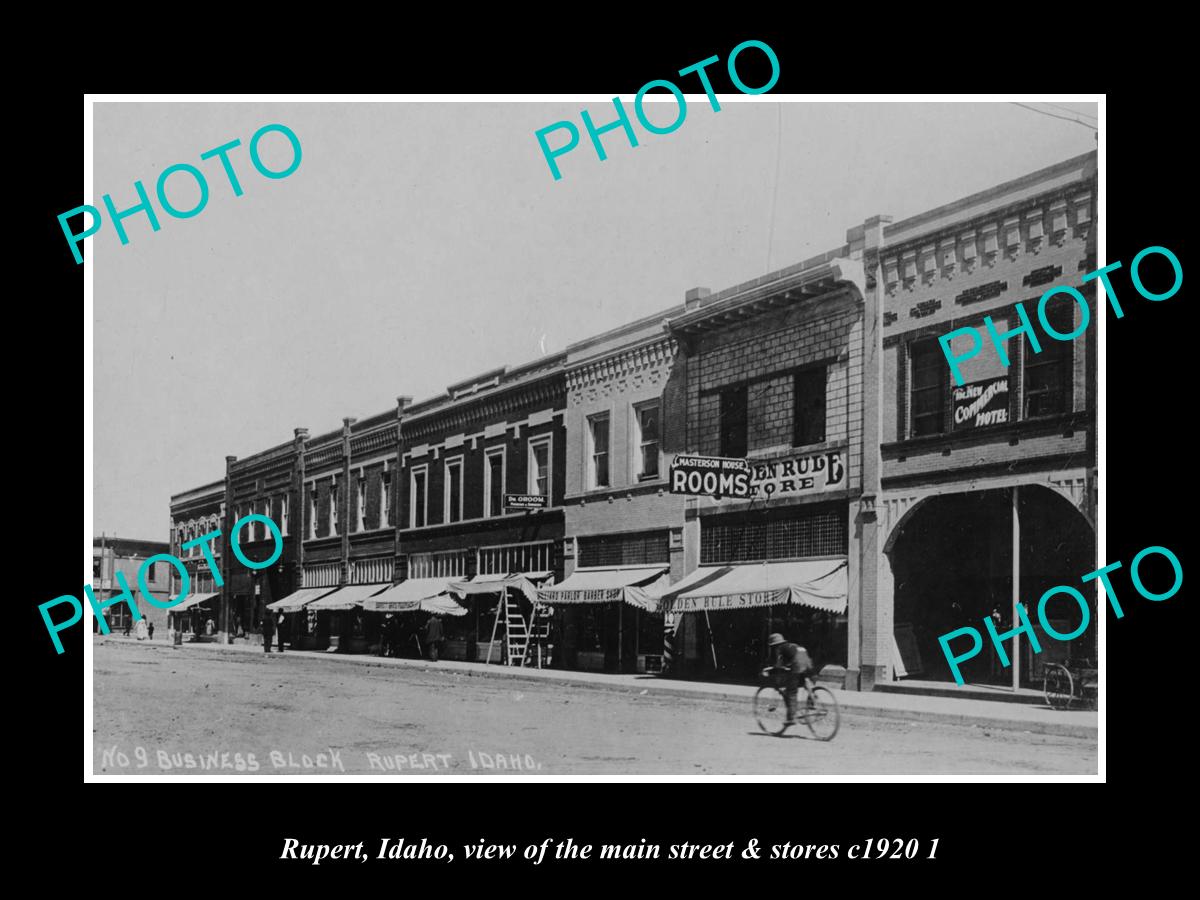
pixel 852 709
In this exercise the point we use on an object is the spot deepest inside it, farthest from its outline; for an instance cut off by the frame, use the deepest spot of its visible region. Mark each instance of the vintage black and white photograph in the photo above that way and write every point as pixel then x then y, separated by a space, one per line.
pixel 537 438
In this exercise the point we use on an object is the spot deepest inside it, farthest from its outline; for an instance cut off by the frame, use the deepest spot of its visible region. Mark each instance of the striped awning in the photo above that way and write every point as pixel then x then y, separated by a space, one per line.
pixel 193 600
pixel 526 582
pixel 300 599
pixel 407 596
pixel 349 597
pixel 819 584
pixel 636 587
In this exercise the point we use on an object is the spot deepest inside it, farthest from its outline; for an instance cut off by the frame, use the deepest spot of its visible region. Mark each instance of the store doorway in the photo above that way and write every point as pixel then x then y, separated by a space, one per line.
pixel 952 561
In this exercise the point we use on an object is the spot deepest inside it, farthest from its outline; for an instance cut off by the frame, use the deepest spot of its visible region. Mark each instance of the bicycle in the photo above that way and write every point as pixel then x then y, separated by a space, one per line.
pixel 816 707
pixel 1074 680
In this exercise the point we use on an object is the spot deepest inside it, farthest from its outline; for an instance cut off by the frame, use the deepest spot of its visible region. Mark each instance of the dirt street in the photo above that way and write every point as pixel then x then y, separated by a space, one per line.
pixel 155 706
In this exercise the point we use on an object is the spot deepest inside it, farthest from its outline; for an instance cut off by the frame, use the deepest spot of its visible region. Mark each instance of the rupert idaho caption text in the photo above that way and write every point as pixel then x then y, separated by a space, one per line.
pixel 400 848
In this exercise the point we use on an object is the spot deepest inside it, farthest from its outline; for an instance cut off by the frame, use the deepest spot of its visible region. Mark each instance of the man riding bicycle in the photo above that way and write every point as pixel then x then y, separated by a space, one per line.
pixel 791 663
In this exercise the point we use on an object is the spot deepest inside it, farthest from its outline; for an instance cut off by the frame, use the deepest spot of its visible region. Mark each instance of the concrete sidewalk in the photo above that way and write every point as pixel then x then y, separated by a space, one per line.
pixel 947 710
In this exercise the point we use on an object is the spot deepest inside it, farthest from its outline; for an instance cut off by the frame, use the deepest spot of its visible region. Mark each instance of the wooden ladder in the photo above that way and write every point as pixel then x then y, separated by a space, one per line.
pixel 516 634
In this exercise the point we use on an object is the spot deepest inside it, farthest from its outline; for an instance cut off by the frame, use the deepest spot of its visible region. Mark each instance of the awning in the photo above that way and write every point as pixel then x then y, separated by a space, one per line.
pixel 408 596
pixel 496 584
pixel 820 584
pixel 346 598
pixel 300 599
pixel 637 587
pixel 192 600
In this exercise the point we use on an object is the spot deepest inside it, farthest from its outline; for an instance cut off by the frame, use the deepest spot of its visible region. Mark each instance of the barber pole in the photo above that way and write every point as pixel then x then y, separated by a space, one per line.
pixel 670 620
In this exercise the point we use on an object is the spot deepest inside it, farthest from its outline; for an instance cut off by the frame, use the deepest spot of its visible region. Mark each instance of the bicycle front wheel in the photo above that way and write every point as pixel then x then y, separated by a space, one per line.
pixel 770 710
pixel 821 714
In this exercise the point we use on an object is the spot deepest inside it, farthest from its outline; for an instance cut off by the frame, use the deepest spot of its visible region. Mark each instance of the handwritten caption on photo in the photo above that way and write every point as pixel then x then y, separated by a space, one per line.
pixel 185 583
pixel 568 849
pixel 114 758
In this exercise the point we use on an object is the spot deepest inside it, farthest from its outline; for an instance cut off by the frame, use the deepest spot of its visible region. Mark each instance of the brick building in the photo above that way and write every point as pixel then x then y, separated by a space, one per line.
pixel 194 514
pixel 624 530
pixel 111 555
pixel 888 500
pixel 1008 458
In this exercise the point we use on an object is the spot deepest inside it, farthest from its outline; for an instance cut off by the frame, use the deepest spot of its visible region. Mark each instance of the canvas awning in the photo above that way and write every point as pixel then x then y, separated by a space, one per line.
pixel 300 599
pixel 637 587
pixel 349 597
pixel 496 584
pixel 193 600
pixel 820 584
pixel 408 596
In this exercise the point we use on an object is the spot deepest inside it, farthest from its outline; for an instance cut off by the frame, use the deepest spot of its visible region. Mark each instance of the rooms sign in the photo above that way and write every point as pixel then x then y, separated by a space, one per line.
pixel 716 476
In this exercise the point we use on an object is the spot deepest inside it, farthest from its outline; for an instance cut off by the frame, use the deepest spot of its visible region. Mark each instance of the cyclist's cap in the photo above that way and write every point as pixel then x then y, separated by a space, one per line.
pixel 775 639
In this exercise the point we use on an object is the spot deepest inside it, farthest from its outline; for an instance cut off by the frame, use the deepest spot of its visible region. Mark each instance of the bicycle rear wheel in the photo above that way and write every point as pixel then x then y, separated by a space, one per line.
pixel 770 710
pixel 821 714
pixel 1059 686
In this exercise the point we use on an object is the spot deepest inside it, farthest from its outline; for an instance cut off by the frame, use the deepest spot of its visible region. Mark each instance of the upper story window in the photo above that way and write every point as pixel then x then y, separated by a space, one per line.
pixel 385 498
pixel 493 482
pixel 312 511
pixel 809 407
pixel 930 385
pixel 539 466
pixel 151 573
pixel 598 450
pixel 734 421
pixel 452 490
pixel 361 503
pixel 647 435
pixel 1047 383
pixel 333 507
pixel 419 496
pixel 283 513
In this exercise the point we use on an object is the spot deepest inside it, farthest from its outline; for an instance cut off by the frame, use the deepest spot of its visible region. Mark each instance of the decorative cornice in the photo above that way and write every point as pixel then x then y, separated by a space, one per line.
pixel 660 352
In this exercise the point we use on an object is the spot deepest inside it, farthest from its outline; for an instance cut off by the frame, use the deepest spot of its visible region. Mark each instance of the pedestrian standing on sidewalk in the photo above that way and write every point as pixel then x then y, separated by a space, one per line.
pixel 433 636
pixel 150 629
pixel 128 625
pixel 140 630
pixel 268 630
pixel 279 631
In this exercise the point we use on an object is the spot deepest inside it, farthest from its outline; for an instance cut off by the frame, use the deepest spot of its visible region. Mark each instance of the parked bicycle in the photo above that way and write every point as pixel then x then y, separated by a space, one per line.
pixel 816 707
pixel 1071 682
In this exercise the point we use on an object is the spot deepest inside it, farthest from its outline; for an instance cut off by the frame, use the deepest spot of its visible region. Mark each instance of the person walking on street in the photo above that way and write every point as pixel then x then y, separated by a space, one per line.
pixel 128 625
pixel 150 629
pixel 433 637
pixel 140 630
pixel 268 630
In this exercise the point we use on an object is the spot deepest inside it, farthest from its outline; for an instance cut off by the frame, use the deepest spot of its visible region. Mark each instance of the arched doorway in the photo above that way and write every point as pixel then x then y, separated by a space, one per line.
pixel 952 561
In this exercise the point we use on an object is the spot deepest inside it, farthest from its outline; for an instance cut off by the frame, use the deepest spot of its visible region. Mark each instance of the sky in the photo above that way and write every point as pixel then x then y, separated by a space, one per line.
pixel 418 244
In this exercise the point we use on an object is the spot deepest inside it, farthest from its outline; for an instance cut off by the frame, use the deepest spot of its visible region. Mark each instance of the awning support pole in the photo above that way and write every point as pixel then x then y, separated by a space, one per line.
pixel 1016 590
pixel 495 625
pixel 712 642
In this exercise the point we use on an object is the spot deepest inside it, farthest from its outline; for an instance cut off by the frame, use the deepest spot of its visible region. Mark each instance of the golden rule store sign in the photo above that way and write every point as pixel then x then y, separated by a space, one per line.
pixel 806 474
